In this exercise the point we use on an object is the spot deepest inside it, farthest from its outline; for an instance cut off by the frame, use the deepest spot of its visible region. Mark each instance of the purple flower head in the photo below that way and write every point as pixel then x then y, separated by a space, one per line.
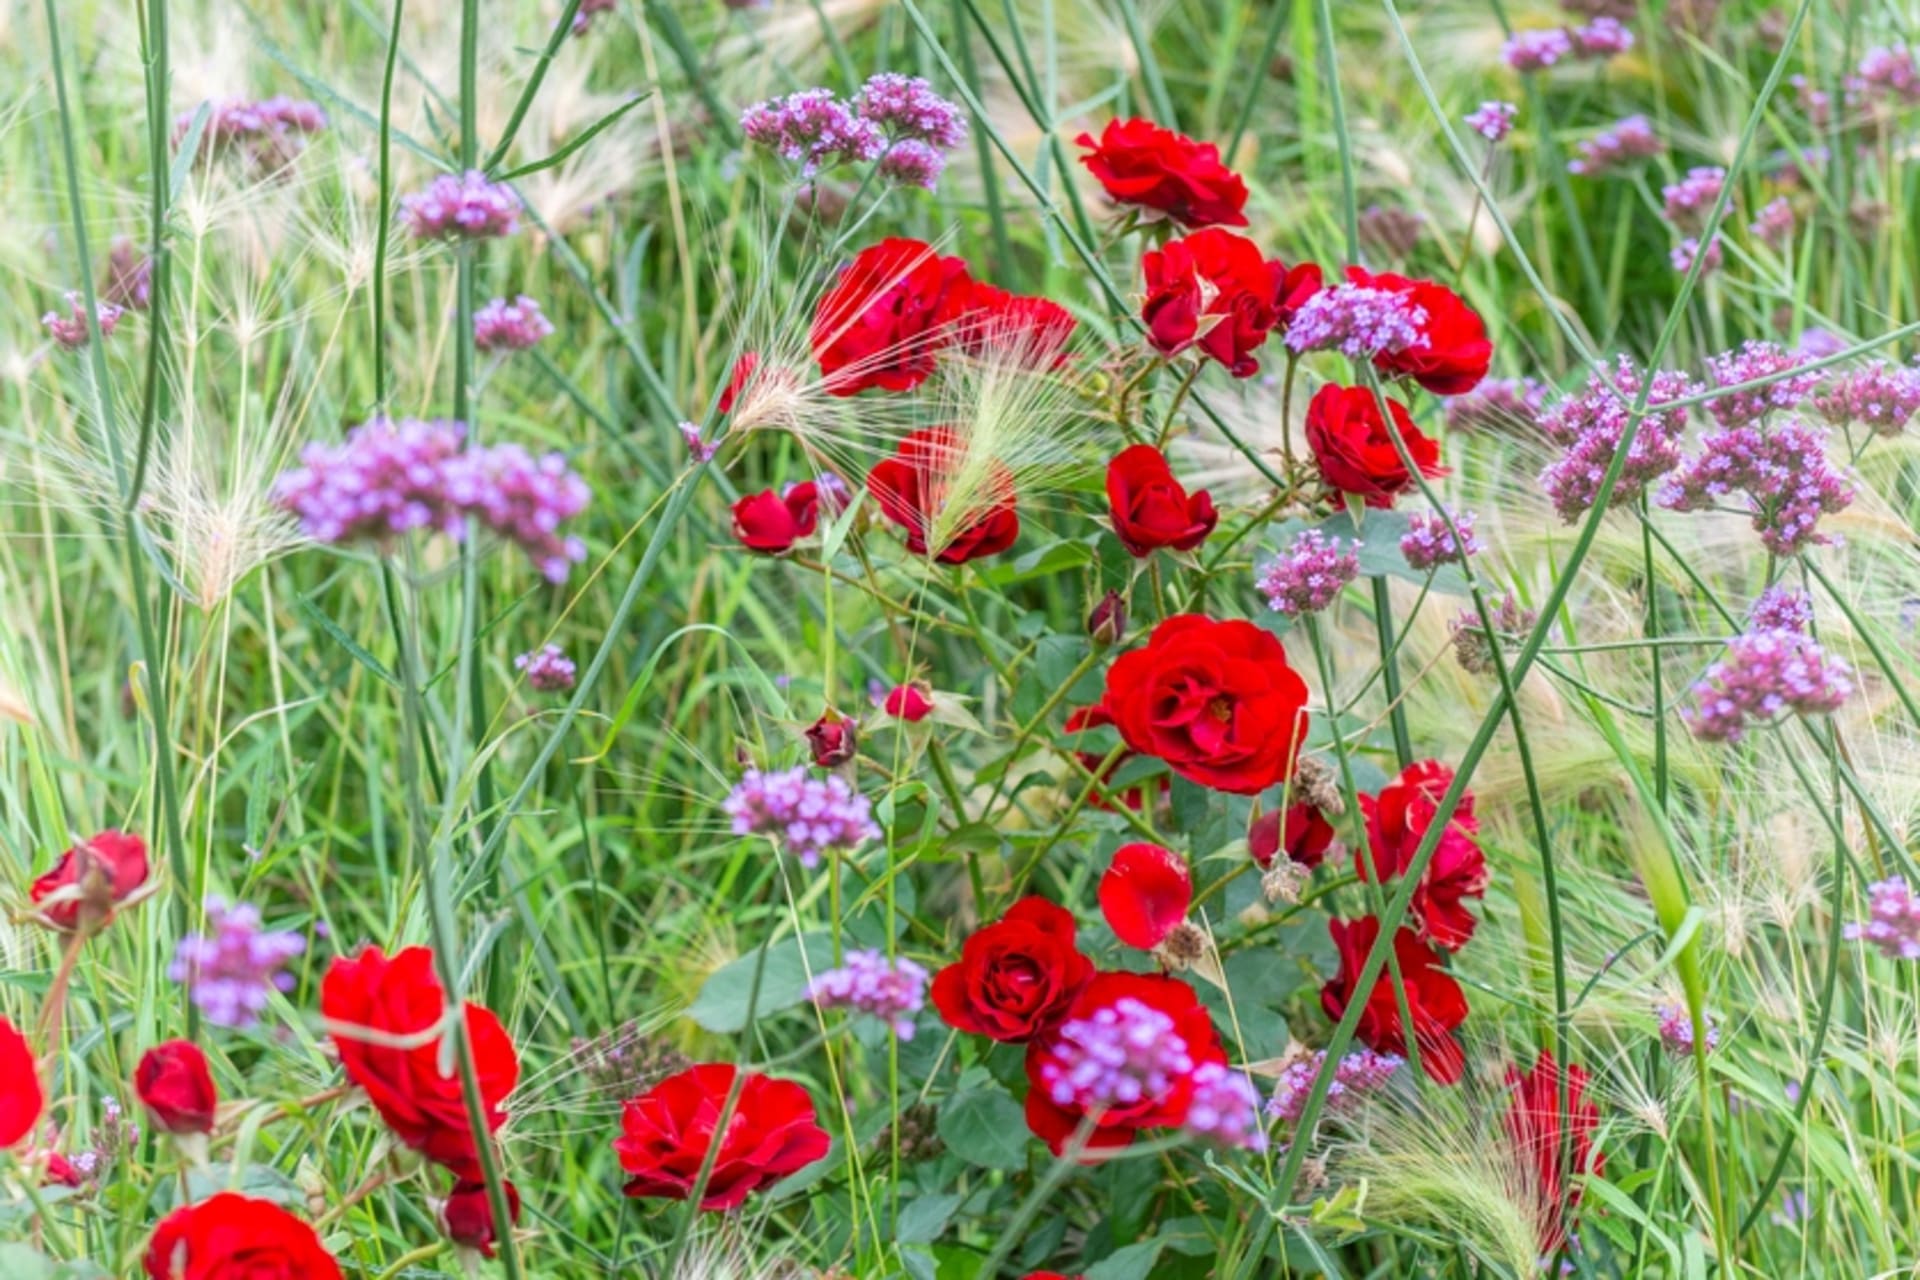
pixel 1764 675
pixel 1677 1031
pixel 1881 397
pixel 1892 71
pixel 522 499
pixel 911 164
pixel 1498 404
pixel 1687 250
pixel 1119 1056
pixel 509 326
pixel 1358 321
pixel 1781 609
pixel 547 669
pixel 1621 144
pixel 893 991
pixel 908 109
pixel 71 330
pixel 1428 543
pixel 812 129
pixel 1600 39
pixel 1225 1109
pixel 128 280
pixel 462 207
pixel 1756 360
pixel 1309 574
pixel 231 970
pixel 1774 224
pixel 1687 202
pixel 1536 50
pixel 1818 344
pixel 697 446
pixel 271 132
pixel 1893 920
pixel 1492 120
pixel 806 816
pixel 1354 1077
pixel 583 16
pixel 1782 473
pixel 1589 427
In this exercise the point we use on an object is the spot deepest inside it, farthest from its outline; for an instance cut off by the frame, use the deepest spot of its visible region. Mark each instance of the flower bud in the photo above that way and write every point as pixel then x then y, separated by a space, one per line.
pixel 833 739
pixel 468 1215
pixel 909 702
pixel 176 1088
pixel 1108 621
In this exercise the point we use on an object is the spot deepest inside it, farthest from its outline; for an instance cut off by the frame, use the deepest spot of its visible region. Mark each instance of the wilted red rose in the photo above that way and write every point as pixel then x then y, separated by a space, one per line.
pixel 1055 1124
pixel 1014 978
pixel 467 1217
pixel 176 1087
pixel 1306 836
pixel 833 739
pixel 666 1133
pixel 882 322
pixel 1150 508
pixel 915 490
pixel 1354 449
pixel 1435 999
pixel 1553 1154
pixel 1456 353
pixel 236 1237
pixel 1215 289
pixel 1145 893
pixel 908 702
pixel 91 879
pixel 1215 699
pixel 1140 163
pixel 424 1107
pixel 771 522
pixel 988 320
pixel 21 1097
pixel 1398 819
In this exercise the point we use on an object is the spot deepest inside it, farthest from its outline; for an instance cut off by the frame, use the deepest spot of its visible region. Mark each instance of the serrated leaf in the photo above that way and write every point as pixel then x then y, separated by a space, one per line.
pixel 986 1128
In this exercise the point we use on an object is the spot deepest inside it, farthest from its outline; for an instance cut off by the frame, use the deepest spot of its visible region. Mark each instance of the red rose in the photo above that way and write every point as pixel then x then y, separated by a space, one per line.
pixel 1055 1123
pixel 1215 288
pixel 1435 999
pixel 425 1108
pixel 1140 163
pixel 879 325
pixel 1306 837
pixel 175 1086
pixel 989 320
pixel 1215 699
pixel 1014 978
pixel 1355 451
pixel 236 1237
pixel 667 1131
pixel 1456 353
pixel 737 382
pixel 833 739
pixel 1548 1152
pixel 915 490
pixel 467 1216
pixel 771 522
pixel 21 1098
pixel 1397 820
pixel 59 1172
pixel 91 879
pixel 1150 508
pixel 1145 893
pixel 908 702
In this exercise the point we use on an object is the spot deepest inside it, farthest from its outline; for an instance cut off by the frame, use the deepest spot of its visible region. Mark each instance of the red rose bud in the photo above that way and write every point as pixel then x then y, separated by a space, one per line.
pixel 913 489
pixel 90 880
pixel 1108 621
pixel 176 1088
pixel 770 522
pixel 908 702
pixel 833 738
pixel 467 1216
pixel 1150 508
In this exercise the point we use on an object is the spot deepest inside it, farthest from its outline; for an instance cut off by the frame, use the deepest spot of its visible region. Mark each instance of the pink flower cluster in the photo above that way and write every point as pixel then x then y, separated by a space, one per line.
pixel 1493 120
pixel 1309 574
pixel 807 816
pixel 891 990
pixel 1882 397
pixel 1589 427
pixel 1677 1032
pixel 548 669
pixel 1783 473
pixel 127 281
pixel 1756 360
pixel 462 207
pixel 1893 71
pixel 1688 250
pixel 907 108
pixel 1119 1056
pixel 1358 321
pixel 71 330
pixel 1781 609
pixel 231 971
pixel 1225 1108
pixel 272 131
pixel 1600 39
pixel 1765 674
pixel 1775 223
pixel 1615 147
pixel 1498 404
pixel 896 120
pixel 1428 543
pixel 1893 920
pixel 501 325
pixel 1354 1077
pixel 1539 49
pixel 813 129
pixel 1687 203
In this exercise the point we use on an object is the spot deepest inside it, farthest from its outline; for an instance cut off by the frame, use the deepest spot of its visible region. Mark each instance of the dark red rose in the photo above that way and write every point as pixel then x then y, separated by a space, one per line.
pixel 667 1131
pixel 1055 1123
pixel 908 702
pixel 737 382
pixel 1216 700
pixel 467 1216
pixel 1456 353
pixel 423 1106
pixel 1014 978
pixel 915 490
pixel 771 523
pixel 21 1098
pixel 1306 837
pixel 1145 893
pixel 881 324
pixel 91 879
pixel 1215 289
pixel 1140 163
pixel 1435 999
pixel 1398 819
pixel 176 1088
pixel 1150 508
pixel 1551 1153
pixel 1107 620
pixel 1355 451
pixel 833 739
pixel 1082 719
pixel 236 1237
pixel 987 319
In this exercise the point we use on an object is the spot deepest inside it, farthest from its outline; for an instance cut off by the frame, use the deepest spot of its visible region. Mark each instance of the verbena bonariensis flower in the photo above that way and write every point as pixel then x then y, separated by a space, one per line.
pixel 231 970
pixel 1358 321
pixel 911 164
pixel 1775 222
pixel 523 499
pixel 1687 202
pixel 891 990
pixel 1117 1057
pixel 1590 426
pixel 806 816
pixel 1781 609
pixel 1882 397
pixel 1473 648
pixel 1687 250
pixel 128 280
pixel 1492 120
pixel 1756 360
pixel 1764 675
pixel 1891 70
pixel 907 108
pixel 462 207
pixel 1600 39
pixel 1309 574
pixel 1783 471
pixel 1536 50
pixel 271 132
pixel 1620 144
pixel 1428 543
pixel 1499 404
pixel 1360 1073
pixel 583 16
pixel 1893 920
pixel 71 330
pixel 1677 1031
pixel 813 129
pixel 547 669
pixel 1225 1109
pixel 501 325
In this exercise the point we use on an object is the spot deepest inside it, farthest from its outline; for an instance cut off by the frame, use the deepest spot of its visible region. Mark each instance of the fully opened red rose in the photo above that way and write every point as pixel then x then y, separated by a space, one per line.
pixel 883 322
pixel 1456 353
pixel 1014 978
pixel 771 522
pixel 1398 819
pixel 1216 290
pixel 176 1088
pixel 1144 165
pixel 21 1097
pixel 1216 700
pixel 1028 329
pixel 667 1131
pixel 1354 450
pixel 915 489
pixel 1550 1152
pixel 402 996
pixel 236 1237
pixel 1435 999
pixel 1151 509
pixel 91 879
pixel 1145 893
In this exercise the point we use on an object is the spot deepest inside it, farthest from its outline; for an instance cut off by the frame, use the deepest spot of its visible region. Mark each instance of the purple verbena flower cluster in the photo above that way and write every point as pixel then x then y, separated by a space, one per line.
pixel 911 164
pixel 697 446
pixel 1600 39
pixel 71 330
pixel 128 280
pixel 1498 404
pixel 1537 49
pixel 1355 1076
pixel 1881 397
pixel 1428 543
pixel 1225 1109
pixel 501 325
pixel 1765 673
pixel 548 669
pixel 806 816
pixel 1589 427
pixel 907 108
pixel 1756 360
pixel 462 207
pixel 1781 609
pixel 1892 71
pixel 1621 144
pixel 1893 920
pixel 1309 574
pixel 272 132
pixel 1677 1031
pixel 813 129
pixel 1783 471
pixel 1120 1056
pixel 231 971
pixel 891 990
pixel 896 120
pixel 1683 255
pixel 1687 203
pixel 1493 120
pixel 1774 225
pixel 1358 321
